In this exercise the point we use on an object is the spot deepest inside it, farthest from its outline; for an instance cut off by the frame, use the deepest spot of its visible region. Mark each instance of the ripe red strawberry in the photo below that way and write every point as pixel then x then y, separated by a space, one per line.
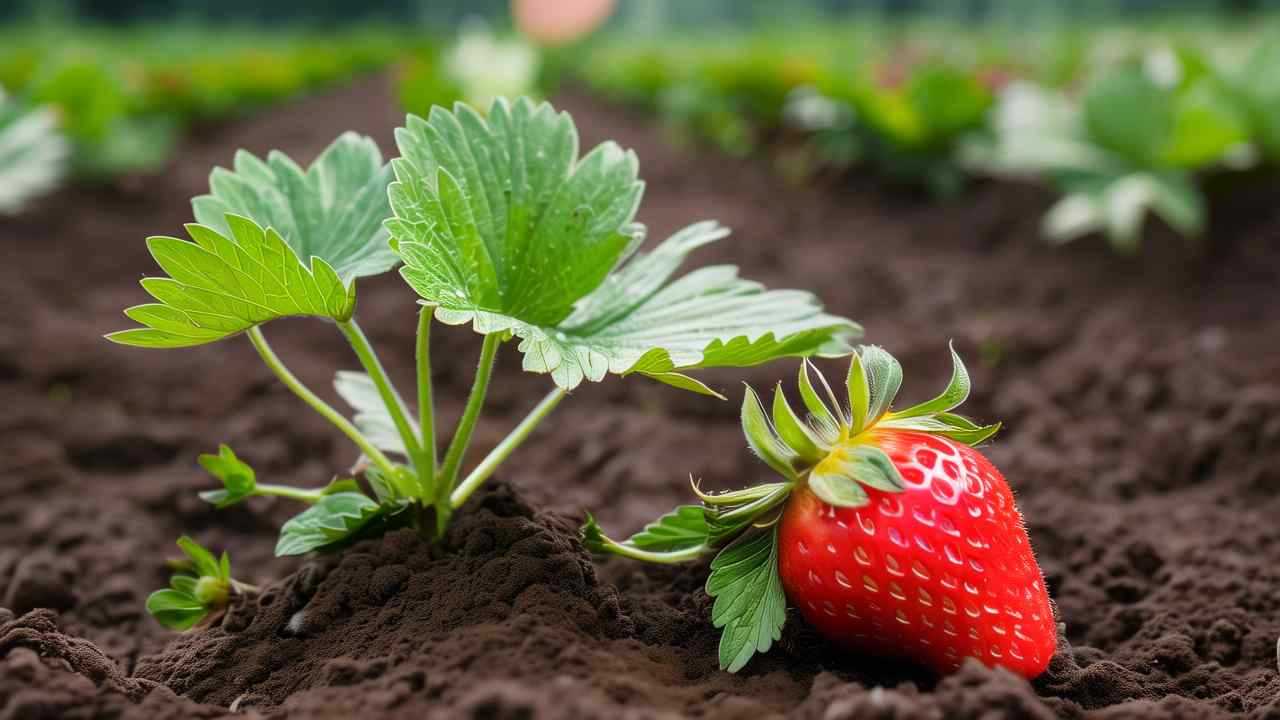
pixel 937 573
pixel 889 531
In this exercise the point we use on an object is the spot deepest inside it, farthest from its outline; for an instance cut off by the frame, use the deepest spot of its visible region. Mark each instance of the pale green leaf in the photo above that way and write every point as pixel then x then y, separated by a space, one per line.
pixel 222 285
pixel 372 417
pixel 333 210
pixel 750 606
pixel 33 154
pixel 502 226
pixel 884 379
pixel 203 563
pixel 837 489
pixel 333 519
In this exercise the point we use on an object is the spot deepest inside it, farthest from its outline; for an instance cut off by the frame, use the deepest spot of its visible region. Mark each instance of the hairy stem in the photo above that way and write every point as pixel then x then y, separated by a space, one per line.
pixel 293 383
pixel 504 449
pixel 390 398
pixel 462 436
pixel 426 405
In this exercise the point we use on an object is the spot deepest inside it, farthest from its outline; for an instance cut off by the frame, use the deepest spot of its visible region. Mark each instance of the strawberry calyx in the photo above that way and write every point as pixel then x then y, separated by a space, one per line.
pixel 833 449
pixel 835 452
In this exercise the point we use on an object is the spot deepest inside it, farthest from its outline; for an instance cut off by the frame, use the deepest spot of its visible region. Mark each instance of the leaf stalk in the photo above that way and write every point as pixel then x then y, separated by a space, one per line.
pixel 499 454
pixel 470 415
pixel 320 406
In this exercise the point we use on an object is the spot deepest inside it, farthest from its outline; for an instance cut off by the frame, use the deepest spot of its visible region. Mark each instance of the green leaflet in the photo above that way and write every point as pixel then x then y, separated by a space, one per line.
pixel 222 285
pixel 372 417
pixel 750 606
pixel 682 528
pixel 334 518
pixel 501 225
pixel 333 210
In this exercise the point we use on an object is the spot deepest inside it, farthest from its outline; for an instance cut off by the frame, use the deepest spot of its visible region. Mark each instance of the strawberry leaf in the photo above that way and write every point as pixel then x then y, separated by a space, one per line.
pixel 33 154
pixel 750 605
pixel 682 528
pixel 333 210
pixel 372 417
pixel 333 519
pixel 221 285
pixel 238 479
pixel 501 225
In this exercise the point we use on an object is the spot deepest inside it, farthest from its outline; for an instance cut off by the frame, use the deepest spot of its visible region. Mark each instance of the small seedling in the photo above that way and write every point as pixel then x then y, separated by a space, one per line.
pixel 889 531
pixel 499 224
pixel 201 586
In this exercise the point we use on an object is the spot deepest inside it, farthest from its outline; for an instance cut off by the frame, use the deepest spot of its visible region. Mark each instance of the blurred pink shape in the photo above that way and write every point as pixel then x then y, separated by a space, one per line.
pixel 557 22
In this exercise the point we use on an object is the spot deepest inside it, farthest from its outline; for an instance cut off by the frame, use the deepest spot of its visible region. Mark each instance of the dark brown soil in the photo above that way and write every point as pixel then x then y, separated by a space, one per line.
pixel 1141 397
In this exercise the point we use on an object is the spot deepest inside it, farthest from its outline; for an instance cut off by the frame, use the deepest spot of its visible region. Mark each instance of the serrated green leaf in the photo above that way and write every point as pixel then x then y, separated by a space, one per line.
pixel 502 226
pixel 238 479
pixel 956 392
pixel 372 418
pixel 750 606
pixel 682 528
pixel 220 285
pixel 761 438
pixel 176 610
pixel 334 518
pixel 333 210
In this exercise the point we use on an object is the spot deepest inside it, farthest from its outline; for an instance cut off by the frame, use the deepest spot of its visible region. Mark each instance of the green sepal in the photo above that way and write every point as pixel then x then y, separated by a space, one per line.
pixel 859 394
pixel 884 379
pixel 826 420
pixel 956 392
pixel 761 438
pixel 750 606
pixel 238 479
pixel 333 519
pixel 793 431
pixel 838 489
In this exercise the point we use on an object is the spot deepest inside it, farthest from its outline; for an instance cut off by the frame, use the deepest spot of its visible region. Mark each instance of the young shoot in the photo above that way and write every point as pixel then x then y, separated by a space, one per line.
pixel 201 586
pixel 495 221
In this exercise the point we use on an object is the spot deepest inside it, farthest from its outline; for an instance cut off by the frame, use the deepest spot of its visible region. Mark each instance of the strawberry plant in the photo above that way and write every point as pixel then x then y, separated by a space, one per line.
pixel 495 222
pixel 888 530
pixel 33 153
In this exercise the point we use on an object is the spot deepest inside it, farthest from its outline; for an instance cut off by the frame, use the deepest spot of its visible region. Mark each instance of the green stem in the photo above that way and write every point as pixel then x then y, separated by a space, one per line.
pixel 273 361
pixel 462 436
pixel 426 405
pixel 670 557
pixel 504 449
pixel 390 398
pixel 292 493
